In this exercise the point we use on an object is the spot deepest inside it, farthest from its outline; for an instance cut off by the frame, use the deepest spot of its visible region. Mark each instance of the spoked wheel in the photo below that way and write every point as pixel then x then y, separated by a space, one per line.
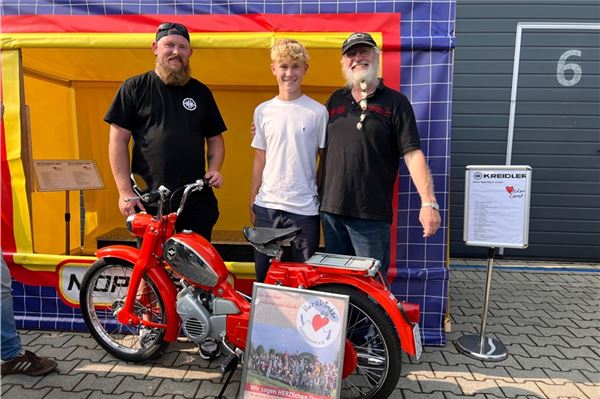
pixel 103 292
pixel 375 343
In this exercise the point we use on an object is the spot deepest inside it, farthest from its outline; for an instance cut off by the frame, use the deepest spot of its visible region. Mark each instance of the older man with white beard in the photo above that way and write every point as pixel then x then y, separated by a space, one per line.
pixel 370 128
pixel 170 116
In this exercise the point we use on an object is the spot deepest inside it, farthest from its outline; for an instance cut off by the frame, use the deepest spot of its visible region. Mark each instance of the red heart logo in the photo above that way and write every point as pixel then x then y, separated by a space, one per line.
pixel 319 322
pixel 509 189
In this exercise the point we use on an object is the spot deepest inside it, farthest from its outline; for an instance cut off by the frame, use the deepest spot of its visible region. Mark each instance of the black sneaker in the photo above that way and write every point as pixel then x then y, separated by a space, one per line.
pixel 30 364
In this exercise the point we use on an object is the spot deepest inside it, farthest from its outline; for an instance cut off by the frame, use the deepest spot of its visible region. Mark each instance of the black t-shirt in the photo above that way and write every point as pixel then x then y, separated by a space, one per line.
pixel 169 125
pixel 361 166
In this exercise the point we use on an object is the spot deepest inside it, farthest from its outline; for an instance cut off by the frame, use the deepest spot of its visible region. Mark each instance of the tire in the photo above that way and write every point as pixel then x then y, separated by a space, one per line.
pixel 103 292
pixel 377 346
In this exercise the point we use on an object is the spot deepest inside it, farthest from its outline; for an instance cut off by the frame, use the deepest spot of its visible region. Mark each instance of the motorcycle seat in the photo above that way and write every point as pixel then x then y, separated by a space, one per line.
pixel 269 235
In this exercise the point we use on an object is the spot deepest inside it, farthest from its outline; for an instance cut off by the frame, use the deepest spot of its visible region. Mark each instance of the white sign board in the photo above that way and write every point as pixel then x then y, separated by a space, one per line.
pixel 67 175
pixel 497 201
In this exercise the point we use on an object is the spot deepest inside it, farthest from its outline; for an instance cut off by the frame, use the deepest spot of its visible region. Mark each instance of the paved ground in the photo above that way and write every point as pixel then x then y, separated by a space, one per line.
pixel 548 317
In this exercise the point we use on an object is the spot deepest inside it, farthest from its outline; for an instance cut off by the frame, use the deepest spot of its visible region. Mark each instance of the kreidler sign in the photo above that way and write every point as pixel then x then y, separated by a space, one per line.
pixel 497 206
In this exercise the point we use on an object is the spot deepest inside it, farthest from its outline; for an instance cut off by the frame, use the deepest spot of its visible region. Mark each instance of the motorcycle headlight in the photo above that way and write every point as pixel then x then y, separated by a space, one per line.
pixel 137 223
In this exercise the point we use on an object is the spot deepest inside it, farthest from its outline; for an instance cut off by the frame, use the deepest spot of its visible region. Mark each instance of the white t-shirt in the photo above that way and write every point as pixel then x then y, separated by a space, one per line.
pixel 291 133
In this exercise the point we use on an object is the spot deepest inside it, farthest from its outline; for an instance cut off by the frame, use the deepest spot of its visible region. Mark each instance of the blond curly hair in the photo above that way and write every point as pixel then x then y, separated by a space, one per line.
pixel 289 50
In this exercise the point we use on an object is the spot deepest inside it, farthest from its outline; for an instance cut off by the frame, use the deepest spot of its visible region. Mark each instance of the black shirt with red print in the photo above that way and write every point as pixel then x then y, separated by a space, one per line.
pixel 361 165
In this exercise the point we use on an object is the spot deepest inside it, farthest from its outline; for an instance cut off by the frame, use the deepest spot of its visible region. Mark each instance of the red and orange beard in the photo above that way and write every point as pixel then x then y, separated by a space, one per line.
pixel 176 76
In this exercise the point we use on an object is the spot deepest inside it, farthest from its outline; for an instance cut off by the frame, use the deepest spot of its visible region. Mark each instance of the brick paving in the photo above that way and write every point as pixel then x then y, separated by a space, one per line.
pixel 548 318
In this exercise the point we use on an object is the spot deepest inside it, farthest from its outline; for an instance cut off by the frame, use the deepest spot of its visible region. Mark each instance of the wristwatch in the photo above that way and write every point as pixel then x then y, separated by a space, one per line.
pixel 433 205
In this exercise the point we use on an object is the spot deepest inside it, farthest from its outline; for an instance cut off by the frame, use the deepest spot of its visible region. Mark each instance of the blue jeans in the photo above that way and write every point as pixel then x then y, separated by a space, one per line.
pixel 304 245
pixel 347 235
pixel 11 342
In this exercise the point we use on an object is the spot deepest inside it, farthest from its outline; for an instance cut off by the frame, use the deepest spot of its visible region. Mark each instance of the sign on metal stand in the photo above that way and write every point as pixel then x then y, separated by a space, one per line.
pixel 497 199
pixel 67 175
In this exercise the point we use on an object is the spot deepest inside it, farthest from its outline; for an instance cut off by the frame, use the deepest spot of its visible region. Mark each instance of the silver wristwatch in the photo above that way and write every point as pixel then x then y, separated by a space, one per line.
pixel 433 205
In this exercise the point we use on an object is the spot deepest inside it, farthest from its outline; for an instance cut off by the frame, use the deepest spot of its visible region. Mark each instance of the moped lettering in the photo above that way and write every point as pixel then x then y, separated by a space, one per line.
pixel 110 283
pixel 73 280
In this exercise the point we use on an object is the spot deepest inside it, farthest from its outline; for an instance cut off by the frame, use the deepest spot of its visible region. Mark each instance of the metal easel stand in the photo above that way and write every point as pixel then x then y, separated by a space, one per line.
pixel 482 347
pixel 229 365
pixel 67 224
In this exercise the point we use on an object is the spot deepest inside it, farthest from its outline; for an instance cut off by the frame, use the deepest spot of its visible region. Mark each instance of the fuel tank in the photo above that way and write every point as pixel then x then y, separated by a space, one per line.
pixel 194 258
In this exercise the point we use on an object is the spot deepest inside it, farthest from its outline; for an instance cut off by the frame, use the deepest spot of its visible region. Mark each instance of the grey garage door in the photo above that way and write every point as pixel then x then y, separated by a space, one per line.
pixel 556 117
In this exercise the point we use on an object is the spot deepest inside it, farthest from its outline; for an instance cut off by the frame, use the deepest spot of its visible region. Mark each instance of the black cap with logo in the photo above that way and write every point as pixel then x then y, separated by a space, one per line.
pixel 357 38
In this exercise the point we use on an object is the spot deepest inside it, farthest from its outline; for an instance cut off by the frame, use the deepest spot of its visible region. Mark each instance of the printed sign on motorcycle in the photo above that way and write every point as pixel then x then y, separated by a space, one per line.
pixel 295 344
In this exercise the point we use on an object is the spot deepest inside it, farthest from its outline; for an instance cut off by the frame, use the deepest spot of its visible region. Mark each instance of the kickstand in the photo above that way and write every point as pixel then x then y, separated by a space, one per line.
pixel 230 364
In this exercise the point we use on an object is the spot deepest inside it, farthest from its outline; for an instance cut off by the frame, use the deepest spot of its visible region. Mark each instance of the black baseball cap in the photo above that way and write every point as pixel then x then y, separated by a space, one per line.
pixel 357 38
pixel 171 28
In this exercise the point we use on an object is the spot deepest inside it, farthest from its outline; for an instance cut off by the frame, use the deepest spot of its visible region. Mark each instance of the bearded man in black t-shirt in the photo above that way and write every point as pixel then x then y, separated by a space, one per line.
pixel 170 116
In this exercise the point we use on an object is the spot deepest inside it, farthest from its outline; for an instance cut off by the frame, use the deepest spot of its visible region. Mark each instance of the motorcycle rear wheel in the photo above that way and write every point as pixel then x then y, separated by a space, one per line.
pixel 376 343
pixel 103 292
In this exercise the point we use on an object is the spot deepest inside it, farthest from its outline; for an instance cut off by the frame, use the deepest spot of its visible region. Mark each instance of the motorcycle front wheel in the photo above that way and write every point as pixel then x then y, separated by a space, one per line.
pixel 376 343
pixel 103 292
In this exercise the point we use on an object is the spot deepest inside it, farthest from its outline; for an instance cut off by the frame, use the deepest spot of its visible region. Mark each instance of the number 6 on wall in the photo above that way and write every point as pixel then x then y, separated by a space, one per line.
pixel 562 67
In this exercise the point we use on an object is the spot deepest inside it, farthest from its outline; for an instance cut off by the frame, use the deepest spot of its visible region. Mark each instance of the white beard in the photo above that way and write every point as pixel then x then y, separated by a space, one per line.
pixel 354 78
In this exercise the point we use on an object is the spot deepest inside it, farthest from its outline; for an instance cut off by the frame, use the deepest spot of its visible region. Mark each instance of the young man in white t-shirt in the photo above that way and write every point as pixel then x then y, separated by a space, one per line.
pixel 289 135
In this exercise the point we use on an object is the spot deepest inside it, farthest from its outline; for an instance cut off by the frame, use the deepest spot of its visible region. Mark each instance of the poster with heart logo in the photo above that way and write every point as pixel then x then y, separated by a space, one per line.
pixel 318 321
pixel 296 337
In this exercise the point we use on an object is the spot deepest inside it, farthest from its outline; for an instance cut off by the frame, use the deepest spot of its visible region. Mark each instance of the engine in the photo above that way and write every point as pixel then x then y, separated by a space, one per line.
pixel 195 319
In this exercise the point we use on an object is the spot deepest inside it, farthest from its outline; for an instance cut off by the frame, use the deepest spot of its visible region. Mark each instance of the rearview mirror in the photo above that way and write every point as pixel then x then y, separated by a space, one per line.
pixel 139 184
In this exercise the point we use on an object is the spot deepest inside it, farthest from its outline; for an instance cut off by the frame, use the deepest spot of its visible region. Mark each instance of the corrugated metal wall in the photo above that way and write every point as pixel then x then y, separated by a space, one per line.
pixel 556 117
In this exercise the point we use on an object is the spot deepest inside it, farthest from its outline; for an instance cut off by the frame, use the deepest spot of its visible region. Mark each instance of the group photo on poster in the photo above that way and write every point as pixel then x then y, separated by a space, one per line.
pixel 296 344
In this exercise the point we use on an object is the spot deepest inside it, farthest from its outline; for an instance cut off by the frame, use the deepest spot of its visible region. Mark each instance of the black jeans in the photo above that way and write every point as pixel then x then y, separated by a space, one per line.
pixel 304 245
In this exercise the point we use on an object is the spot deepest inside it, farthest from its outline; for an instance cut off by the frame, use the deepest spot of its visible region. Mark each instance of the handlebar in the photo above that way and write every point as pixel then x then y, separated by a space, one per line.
pixel 198 185
pixel 162 194
pixel 153 196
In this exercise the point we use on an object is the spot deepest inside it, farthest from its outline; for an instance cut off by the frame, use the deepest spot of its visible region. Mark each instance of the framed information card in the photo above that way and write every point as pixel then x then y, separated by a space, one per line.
pixel 497 202
pixel 295 345
pixel 67 175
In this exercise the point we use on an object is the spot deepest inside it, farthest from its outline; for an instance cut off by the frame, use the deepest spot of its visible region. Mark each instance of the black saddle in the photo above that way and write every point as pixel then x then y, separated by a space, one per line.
pixel 268 240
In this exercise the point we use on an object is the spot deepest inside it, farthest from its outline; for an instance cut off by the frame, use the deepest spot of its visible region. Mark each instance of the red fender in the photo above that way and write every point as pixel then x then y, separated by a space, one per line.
pixel 125 252
pixel 383 297
pixel 159 276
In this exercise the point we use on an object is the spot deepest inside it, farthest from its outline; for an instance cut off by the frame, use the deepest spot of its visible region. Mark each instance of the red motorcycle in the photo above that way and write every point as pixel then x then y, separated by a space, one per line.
pixel 135 301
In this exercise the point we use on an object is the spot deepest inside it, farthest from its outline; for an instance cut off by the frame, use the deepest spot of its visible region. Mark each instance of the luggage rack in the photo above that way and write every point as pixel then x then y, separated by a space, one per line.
pixel 357 263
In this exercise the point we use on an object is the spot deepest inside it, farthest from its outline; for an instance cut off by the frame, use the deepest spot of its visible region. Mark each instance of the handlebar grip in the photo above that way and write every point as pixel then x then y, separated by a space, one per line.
pixel 151 197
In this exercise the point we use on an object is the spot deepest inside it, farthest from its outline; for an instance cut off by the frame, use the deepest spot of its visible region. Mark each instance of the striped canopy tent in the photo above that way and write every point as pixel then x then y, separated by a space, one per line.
pixel 62 62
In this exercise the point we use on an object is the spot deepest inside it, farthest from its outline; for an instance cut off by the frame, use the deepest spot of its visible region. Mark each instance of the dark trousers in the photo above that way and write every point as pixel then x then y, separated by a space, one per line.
pixel 200 220
pixel 348 235
pixel 304 245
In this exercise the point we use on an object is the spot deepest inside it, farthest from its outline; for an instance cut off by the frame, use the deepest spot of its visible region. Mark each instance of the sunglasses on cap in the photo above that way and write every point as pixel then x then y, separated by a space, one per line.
pixel 172 28
pixel 172 25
